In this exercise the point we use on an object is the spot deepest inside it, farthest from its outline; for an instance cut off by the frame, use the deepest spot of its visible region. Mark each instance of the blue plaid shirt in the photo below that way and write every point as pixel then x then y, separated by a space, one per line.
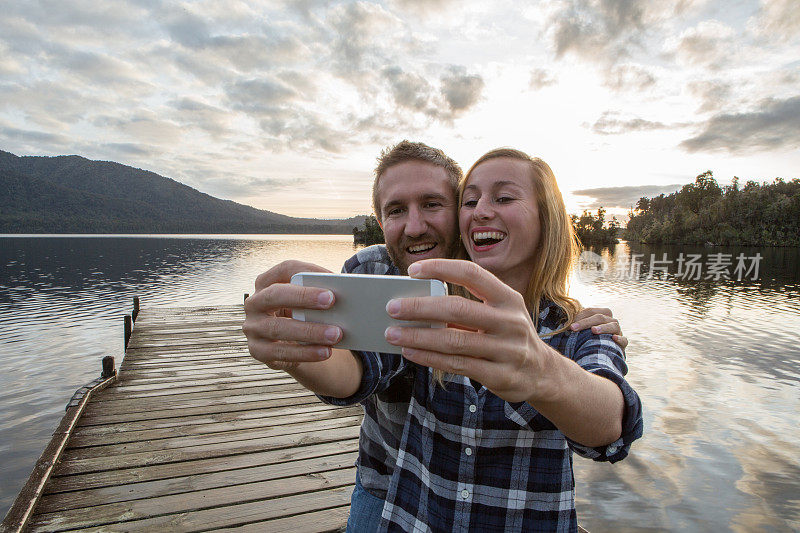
pixel 463 459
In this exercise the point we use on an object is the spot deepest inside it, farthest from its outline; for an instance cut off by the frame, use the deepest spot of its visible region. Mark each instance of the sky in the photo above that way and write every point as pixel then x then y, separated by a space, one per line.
pixel 286 105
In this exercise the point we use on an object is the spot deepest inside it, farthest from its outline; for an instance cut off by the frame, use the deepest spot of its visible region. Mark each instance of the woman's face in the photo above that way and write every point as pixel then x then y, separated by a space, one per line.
pixel 499 219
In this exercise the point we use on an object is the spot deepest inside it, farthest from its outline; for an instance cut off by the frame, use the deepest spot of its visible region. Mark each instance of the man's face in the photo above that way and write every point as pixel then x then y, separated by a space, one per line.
pixel 418 213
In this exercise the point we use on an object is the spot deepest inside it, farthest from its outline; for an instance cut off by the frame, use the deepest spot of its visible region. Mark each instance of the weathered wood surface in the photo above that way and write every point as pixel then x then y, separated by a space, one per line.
pixel 196 435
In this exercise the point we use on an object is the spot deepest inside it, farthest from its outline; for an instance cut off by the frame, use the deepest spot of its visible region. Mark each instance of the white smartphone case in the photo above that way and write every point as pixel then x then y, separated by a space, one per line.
pixel 360 306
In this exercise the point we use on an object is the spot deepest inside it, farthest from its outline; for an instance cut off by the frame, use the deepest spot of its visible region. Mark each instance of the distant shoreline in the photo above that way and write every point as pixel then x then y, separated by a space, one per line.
pixel 239 236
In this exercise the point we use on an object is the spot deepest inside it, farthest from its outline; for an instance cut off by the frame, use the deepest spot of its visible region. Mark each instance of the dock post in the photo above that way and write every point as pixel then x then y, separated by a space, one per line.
pixel 135 308
pixel 108 367
pixel 128 329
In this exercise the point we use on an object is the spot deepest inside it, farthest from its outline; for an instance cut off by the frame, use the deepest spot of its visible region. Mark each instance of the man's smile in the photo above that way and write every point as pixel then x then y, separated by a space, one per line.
pixel 421 248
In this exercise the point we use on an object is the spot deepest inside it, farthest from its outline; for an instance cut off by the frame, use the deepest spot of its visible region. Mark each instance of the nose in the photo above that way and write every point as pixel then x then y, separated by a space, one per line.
pixel 416 224
pixel 483 209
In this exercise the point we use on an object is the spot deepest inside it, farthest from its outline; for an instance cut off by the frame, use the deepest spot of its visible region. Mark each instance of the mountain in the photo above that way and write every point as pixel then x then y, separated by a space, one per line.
pixel 72 194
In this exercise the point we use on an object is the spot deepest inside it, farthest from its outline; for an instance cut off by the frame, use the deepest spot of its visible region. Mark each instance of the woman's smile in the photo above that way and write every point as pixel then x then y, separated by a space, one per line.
pixel 499 219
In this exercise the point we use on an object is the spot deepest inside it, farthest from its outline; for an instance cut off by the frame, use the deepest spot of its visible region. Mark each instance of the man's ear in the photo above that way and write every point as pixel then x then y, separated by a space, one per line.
pixel 379 221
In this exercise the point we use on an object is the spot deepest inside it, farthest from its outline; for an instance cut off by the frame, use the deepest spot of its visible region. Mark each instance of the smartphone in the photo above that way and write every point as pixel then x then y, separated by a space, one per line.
pixel 359 307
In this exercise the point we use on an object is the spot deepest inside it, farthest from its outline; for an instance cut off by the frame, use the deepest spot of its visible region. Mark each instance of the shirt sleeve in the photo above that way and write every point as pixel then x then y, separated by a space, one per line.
pixel 379 371
pixel 379 368
pixel 600 355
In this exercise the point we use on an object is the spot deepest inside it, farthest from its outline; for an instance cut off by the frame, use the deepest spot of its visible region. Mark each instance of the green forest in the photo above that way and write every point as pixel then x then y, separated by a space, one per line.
pixel 703 212
pixel 370 233
pixel 592 229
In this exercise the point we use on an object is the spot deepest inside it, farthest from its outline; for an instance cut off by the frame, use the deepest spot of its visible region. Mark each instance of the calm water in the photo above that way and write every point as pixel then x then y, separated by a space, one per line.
pixel 716 362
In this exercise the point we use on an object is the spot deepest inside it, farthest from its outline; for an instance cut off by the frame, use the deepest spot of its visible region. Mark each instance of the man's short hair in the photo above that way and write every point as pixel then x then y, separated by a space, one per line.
pixel 409 151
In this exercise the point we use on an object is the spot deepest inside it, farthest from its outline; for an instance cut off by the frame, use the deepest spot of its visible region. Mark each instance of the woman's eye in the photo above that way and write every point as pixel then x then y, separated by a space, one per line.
pixel 504 199
pixel 470 203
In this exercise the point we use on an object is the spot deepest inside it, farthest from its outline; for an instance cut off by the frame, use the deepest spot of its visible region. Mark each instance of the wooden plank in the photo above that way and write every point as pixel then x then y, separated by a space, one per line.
pixel 74 462
pixel 257 392
pixel 128 410
pixel 235 515
pixel 334 519
pixel 237 423
pixel 200 408
pixel 262 415
pixel 182 494
pixel 329 520
pixel 128 480
pixel 308 423
pixel 199 376
pixel 284 384
pixel 149 365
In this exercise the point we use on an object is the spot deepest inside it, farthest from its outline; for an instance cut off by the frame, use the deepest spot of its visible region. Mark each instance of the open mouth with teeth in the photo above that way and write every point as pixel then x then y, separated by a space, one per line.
pixel 487 238
pixel 421 248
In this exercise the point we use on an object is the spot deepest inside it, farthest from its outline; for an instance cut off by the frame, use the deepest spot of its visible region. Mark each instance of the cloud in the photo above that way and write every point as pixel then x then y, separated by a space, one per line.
pixel 775 125
pixel 34 141
pixel 143 126
pixel 461 90
pixel 259 96
pixel 777 20
pixel 359 44
pixel 609 123
pixel 50 105
pixel 608 31
pixel 458 91
pixel 210 119
pixel 541 78
pixel 409 90
pixel 131 149
pixel 597 29
pixel 635 77
pixel 713 95
pixel 623 197
pixel 711 44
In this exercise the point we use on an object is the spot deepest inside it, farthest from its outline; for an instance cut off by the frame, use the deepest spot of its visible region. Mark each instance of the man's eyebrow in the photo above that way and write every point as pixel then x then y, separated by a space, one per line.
pixel 435 196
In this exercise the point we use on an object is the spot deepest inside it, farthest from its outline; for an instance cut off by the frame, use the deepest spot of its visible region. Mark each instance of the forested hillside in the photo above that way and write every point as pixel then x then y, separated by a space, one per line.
pixel 703 212
pixel 71 194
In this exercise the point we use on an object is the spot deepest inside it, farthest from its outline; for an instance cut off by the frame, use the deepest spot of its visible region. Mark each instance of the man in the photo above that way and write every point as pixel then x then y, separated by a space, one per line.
pixel 414 198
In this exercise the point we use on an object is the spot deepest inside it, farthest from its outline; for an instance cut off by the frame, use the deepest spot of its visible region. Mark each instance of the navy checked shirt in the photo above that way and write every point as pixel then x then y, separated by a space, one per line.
pixel 463 459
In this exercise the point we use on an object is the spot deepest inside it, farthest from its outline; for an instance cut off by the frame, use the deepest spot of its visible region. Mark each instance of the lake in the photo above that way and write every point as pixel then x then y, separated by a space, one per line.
pixel 716 359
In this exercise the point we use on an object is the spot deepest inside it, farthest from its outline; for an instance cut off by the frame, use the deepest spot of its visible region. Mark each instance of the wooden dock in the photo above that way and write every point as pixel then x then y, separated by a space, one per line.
pixel 193 434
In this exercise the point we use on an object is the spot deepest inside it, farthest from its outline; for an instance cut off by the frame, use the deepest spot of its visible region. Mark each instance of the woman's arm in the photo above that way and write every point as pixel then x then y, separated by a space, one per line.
pixel 504 352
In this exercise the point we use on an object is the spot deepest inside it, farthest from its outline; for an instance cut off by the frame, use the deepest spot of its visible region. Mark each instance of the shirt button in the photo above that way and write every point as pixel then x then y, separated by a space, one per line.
pixel 468 451
pixel 465 493
pixel 472 408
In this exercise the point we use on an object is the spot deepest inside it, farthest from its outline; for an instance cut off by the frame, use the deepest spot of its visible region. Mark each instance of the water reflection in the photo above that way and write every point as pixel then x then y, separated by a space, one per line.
pixel 715 361
pixel 717 365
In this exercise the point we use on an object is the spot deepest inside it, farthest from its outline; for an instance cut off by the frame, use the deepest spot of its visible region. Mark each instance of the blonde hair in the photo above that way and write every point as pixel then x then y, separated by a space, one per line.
pixel 558 246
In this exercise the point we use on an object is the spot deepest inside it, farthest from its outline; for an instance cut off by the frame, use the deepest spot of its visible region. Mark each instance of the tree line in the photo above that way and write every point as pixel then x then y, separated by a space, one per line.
pixel 703 212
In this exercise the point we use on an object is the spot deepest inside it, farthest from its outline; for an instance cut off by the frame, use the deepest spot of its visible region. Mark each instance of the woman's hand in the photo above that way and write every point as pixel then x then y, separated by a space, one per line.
pixel 502 351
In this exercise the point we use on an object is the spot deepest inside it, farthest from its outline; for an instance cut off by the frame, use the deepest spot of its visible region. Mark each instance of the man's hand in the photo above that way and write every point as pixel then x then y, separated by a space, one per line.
pixel 601 320
pixel 273 337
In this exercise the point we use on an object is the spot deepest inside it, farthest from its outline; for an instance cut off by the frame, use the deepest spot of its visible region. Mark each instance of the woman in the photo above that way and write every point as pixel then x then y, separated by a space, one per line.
pixel 490 450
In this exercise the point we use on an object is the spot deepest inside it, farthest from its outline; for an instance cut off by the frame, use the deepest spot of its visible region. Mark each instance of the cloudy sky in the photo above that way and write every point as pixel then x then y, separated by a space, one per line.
pixel 285 105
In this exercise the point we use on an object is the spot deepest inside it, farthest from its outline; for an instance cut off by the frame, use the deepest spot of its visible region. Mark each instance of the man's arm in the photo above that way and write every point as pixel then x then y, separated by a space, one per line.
pixel 302 349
